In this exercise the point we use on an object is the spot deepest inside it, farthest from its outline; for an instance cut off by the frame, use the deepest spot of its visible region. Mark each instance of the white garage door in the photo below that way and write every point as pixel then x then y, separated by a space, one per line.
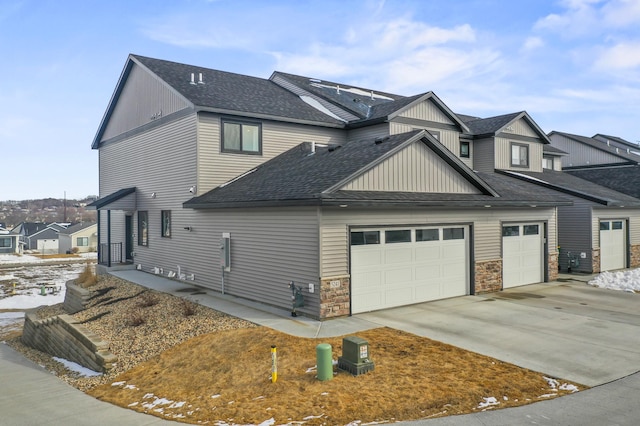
pixel 613 253
pixel 395 267
pixel 522 254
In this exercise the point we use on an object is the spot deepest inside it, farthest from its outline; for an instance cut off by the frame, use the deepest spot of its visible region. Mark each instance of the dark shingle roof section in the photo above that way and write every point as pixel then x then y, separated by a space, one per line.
pixel 622 179
pixel 77 228
pixel 489 126
pixel 299 177
pixel 232 92
pixel 357 100
pixel 618 152
pixel 550 149
pixel 573 185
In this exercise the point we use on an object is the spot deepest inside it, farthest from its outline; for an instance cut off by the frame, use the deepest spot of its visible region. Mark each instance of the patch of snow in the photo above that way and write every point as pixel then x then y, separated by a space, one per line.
pixel 568 387
pixel 313 417
pixel 133 404
pixel 118 383
pixel 553 383
pixel 83 371
pixel 488 402
pixel 628 280
pixel 216 396
pixel 548 395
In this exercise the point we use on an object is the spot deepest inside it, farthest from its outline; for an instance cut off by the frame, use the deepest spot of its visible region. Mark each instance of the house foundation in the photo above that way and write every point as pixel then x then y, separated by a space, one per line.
pixel 488 276
pixel 635 256
pixel 595 261
pixel 335 296
pixel 553 267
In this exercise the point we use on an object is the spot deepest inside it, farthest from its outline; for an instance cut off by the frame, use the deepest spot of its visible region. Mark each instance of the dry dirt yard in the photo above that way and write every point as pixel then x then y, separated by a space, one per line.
pixel 182 361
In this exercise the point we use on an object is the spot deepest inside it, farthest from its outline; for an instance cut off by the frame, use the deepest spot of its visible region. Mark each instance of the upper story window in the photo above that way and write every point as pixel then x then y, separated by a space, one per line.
pixel 547 162
pixel 519 155
pixel 465 149
pixel 241 137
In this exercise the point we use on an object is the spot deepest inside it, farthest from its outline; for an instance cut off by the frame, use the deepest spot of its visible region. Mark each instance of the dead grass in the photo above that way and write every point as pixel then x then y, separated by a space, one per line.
pixel 56 256
pixel 87 277
pixel 226 376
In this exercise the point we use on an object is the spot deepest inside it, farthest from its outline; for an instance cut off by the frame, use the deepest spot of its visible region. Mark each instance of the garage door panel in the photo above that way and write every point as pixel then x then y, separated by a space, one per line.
pixel 613 251
pixel 409 272
pixel 522 255
pixel 398 255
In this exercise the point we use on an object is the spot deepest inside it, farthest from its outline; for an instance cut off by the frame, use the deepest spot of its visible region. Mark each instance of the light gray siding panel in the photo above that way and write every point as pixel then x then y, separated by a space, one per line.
pixel 144 96
pixel 580 154
pixel 334 238
pixel 159 161
pixel 503 155
pixel 399 128
pixel 216 167
pixel 521 127
pixel 449 138
pixel 483 157
pixel 369 132
pixel 414 169
pixel 427 111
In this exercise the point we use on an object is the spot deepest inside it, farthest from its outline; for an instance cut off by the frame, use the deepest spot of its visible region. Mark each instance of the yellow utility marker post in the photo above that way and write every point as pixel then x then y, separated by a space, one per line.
pixel 274 364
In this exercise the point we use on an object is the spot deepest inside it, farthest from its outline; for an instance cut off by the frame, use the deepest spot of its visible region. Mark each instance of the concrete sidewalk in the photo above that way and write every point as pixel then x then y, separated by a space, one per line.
pixel 32 396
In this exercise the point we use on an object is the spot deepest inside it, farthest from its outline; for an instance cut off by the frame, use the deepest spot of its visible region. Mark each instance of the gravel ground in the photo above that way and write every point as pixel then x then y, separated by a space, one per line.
pixel 137 322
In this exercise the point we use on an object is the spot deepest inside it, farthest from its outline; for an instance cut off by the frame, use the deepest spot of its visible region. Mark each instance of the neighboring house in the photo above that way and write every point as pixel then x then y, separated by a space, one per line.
pixel 39 236
pixel 584 152
pixel 364 200
pixel 81 238
pixel 616 141
pixel 9 243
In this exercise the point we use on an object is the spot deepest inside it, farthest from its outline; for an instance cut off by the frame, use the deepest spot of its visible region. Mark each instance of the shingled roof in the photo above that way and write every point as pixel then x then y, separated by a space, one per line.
pixel 573 185
pixel 599 145
pixel 302 176
pixel 625 179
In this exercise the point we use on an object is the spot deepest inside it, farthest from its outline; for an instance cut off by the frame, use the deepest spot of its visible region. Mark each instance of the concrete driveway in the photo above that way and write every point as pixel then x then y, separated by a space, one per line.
pixel 565 329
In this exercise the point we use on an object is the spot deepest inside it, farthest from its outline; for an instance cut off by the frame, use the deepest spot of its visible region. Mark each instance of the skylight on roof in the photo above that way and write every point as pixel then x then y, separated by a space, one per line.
pixel 317 105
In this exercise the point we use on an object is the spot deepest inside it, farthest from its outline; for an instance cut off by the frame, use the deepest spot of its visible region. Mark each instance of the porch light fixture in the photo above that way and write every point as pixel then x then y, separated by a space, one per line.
pixel 153 195
pixel 192 189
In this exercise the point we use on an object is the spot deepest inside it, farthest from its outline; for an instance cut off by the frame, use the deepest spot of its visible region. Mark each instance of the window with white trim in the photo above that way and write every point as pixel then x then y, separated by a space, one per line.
pixel 82 241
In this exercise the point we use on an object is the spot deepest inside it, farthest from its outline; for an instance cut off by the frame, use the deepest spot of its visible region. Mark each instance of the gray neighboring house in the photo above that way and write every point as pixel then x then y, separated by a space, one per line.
pixel 9 243
pixel 81 238
pixel 363 199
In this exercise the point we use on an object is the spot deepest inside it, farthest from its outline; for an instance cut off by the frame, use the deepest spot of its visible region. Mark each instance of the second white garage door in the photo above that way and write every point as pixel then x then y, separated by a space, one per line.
pixel 396 267
pixel 522 254
pixel 613 252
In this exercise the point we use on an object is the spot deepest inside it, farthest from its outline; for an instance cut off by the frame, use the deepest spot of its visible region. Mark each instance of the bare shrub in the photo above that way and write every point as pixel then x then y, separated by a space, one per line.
pixel 87 277
pixel 188 307
pixel 148 299
pixel 136 319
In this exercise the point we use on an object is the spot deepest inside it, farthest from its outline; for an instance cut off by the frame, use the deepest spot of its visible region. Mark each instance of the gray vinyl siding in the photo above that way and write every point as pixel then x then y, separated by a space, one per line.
pixel 574 224
pixel 487 228
pixel 522 128
pixel 216 167
pixel 159 161
pixel 484 157
pixel 427 111
pixel 503 154
pixel 414 169
pixel 144 96
pixel 369 132
pixel 269 248
pixel 580 154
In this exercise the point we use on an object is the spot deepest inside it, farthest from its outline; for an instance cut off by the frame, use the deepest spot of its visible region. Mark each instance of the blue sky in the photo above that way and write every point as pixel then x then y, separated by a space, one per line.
pixel 573 65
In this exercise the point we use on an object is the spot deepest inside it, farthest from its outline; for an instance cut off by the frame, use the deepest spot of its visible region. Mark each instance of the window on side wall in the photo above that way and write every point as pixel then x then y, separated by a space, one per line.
pixel 547 163
pixel 241 137
pixel 82 241
pixel 166 223
pixel 465 150
pixel 143 228
pixel 519 155
pixel 5 242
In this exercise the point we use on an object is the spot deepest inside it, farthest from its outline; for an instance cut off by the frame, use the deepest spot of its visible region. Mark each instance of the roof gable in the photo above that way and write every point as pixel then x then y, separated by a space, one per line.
pixel 415 168
pixel 612 151
pixel 519 123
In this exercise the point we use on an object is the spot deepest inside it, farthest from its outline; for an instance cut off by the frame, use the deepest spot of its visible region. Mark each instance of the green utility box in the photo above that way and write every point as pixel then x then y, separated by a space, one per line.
pixel 355 356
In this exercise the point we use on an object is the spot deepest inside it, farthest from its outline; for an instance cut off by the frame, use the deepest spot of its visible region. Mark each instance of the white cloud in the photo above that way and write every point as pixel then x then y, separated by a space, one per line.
pixel 622 56
pixel 533 43
pixel 621 13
